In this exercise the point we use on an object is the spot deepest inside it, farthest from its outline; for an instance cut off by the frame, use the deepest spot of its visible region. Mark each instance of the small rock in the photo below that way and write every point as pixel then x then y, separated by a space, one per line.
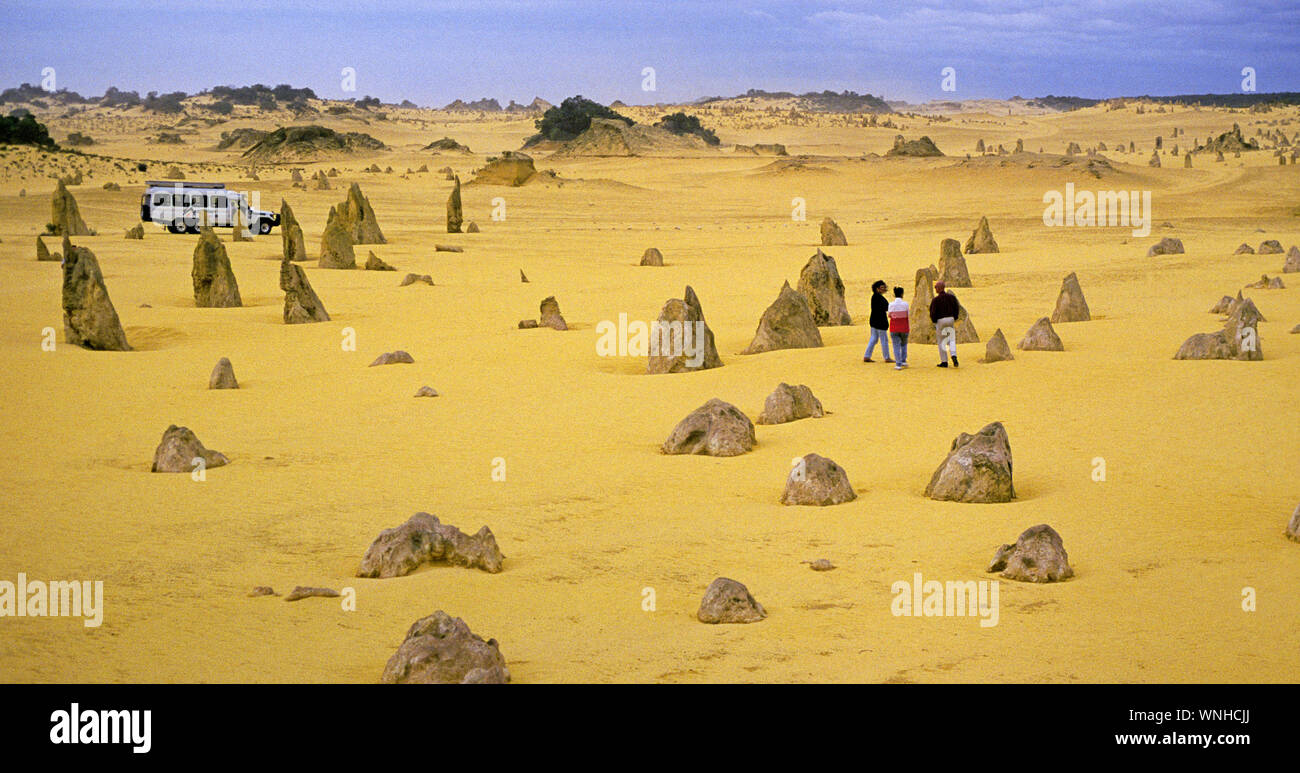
pixel 527 324
pixel 178 450
pixel 790 403
pixel 1041 338
pixel 373 263
pixel 716 428
pixel 727 601
pixel 1038 555
pixel 303 592
pixel 427 391
pixel 393 358
pixel 977 469
pixel 652 257
pixel 1166 246
pixel 223 376
pixel 411 279
pixel 820 565
pixel 447 248
pixel 441 649
pixel 551 317
pixel 262 590
pixel 817 481
pixel 997 349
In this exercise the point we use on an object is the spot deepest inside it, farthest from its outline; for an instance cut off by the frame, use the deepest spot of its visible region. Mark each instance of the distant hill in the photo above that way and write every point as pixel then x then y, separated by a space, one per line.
pixel 813 101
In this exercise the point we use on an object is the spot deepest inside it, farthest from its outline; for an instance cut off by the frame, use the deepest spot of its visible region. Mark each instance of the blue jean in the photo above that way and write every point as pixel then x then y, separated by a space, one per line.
pixel 900 347
pixel 883 337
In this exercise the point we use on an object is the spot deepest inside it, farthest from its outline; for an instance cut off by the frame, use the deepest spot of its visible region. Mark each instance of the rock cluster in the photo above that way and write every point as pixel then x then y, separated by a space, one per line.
pixel 423 539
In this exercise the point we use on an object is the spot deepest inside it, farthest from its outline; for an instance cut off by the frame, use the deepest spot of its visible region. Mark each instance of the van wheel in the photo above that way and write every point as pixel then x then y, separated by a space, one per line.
pixel 177 227
pixel 264 227
pixel 192 230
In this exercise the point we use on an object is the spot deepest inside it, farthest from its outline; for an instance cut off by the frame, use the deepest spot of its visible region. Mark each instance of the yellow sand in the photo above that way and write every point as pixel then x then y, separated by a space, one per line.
pixel 1201 457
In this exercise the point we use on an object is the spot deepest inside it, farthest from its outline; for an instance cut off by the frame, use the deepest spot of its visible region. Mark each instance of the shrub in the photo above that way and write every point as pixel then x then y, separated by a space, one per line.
pixel 24 130
pixel 681 123
pixel 572 117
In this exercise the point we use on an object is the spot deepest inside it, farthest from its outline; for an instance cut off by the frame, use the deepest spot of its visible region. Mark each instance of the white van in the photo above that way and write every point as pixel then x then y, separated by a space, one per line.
pixel 182 207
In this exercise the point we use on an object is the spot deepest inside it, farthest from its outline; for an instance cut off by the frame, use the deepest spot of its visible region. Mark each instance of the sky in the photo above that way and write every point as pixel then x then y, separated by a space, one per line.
pixel 435 52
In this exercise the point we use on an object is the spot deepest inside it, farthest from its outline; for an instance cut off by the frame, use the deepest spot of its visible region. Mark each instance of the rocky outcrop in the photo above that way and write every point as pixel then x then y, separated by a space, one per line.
pixel 1166 246
pixel 716 428
pixel 223 376
pixel 89 319
pixel 358 218
pixel 178 450
pixel 441 649
pixel 790 403
pixel 685 351
pixel 423 539
pixel 214 280
pixel 728 601
pixel 977 469
pixel 652 257
pixel 1293 526
pixel 43 253
pixel 398 357
pixel 300 302
pixel 411 279
pixel 455 216
pixel 952 266
pixel 135 232
pixel 64 215
pixel 373 263
pixel 997 350
pixel 922 148
pixel 821 286
pixel 981 239
pixel 816 480
pixel 550 314
pixel 291 234
pixel 1292 264
pixel 1070 304
pixel 1270 247
pixel 336 244
pixel 510 168
pixel 832 236
pixel 787 324
pixel 1038 555
pixel 1041 338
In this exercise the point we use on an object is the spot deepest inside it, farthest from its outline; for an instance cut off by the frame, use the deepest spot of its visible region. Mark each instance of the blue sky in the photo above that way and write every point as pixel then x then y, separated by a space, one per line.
pixel 434 52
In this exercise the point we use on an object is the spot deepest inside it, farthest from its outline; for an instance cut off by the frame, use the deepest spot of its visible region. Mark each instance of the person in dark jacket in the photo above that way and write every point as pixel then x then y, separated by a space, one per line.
pixel 879 321
pixel 943 313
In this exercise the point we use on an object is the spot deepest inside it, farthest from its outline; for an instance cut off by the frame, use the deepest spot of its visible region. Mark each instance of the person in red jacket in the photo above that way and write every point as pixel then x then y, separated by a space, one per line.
pixel 898 328
pixel 943 313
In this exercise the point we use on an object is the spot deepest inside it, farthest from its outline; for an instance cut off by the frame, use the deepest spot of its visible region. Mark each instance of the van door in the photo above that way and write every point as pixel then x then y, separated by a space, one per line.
pixel 218 211
pixel 160 210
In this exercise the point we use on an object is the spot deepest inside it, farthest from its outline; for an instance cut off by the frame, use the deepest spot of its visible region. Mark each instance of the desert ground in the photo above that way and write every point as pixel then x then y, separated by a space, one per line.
pixel 1200 456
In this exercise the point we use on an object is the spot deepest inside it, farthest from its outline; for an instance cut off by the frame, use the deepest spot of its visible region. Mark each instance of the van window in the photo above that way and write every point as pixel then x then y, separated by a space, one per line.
pixel 218 202
pixel 162 199
pixel 194 200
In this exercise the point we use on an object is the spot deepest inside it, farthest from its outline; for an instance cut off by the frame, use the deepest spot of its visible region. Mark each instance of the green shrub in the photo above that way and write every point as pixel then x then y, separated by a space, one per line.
pixel 572 117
